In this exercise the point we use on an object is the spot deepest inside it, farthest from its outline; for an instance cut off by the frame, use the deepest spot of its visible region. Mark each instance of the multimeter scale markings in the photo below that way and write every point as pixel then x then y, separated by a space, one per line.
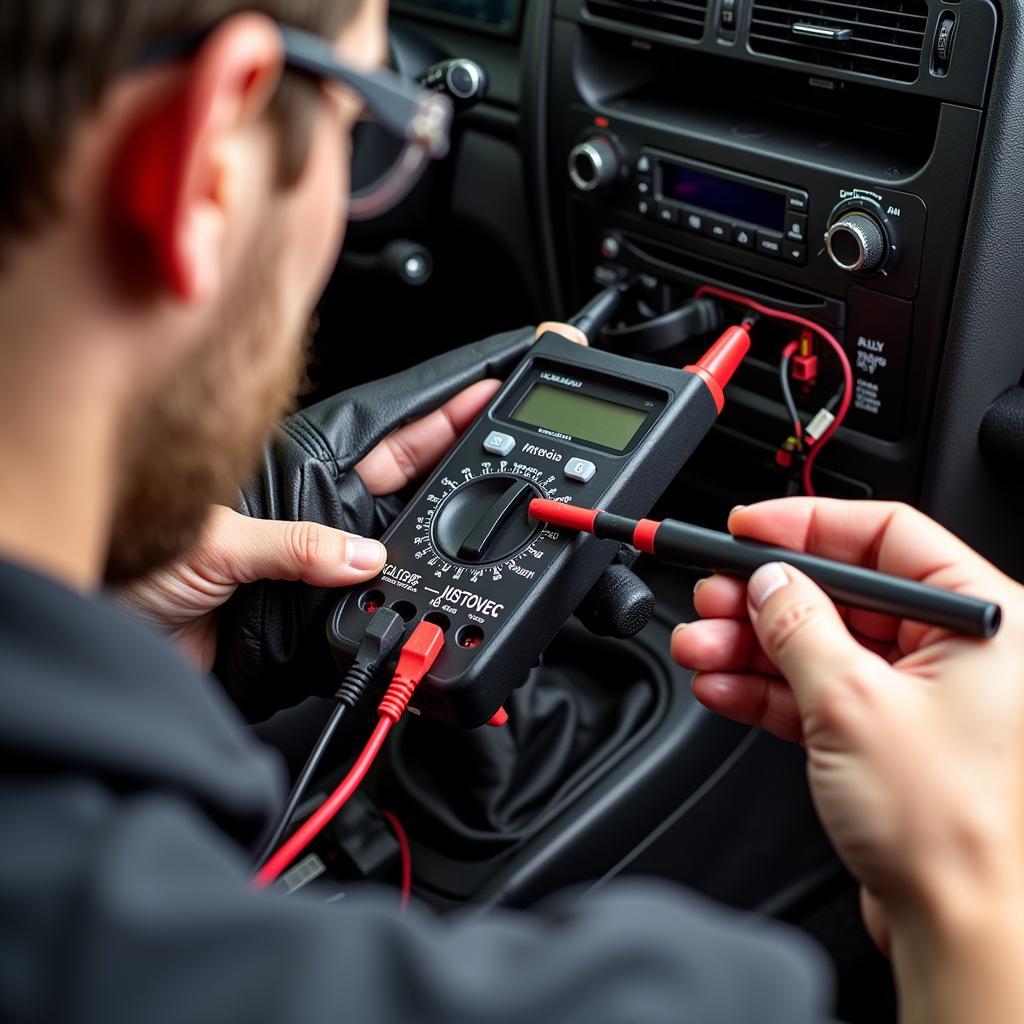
pixel 485 505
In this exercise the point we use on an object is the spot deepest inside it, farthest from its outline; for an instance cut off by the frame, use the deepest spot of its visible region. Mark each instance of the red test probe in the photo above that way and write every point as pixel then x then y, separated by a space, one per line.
pixel 684 544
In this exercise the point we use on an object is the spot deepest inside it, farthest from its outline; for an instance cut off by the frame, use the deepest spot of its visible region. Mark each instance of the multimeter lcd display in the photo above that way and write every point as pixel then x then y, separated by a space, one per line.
pixel 729 198
pixel 580 416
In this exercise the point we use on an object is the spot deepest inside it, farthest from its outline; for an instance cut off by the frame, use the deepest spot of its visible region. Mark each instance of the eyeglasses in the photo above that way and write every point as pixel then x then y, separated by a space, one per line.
pixel 408 126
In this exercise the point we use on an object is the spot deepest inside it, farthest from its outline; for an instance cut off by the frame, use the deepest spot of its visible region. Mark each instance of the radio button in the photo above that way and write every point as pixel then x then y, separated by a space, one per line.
pixel 797 202
pixel 643 165
pixel 498 443
pixel 796 227
pixel 643 186
pixel 718 228
pixel 692 221
pixel 794 252
pixel 769 243
pixel 665 214
pixel 645 208
pixel 743 237
pixel 579 469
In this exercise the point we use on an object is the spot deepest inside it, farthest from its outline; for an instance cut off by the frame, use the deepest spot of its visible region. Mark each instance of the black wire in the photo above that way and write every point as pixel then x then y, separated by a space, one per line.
pixel 787 396
pixel 297 791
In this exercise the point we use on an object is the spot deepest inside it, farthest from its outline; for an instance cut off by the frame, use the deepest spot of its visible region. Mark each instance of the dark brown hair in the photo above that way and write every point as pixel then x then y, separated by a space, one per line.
pixel 58 56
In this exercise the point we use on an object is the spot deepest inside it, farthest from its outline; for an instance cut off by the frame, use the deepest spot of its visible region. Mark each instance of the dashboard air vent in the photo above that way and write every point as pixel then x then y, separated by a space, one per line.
pixel 883 38
pixel 683 18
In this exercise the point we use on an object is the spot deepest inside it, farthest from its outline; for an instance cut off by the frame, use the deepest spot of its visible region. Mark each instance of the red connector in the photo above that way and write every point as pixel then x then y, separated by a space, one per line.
pixel 418 654
pixel 805 369
pixel 812 330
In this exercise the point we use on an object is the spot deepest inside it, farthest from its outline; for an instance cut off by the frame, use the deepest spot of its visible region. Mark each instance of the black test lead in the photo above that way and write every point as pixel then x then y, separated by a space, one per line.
pixel 684 544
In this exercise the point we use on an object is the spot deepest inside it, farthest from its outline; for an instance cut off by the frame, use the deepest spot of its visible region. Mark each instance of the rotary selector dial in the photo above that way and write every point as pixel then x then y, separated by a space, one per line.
pixel 594 163
pixel 857 242
pixel 475 522
pixel 485 519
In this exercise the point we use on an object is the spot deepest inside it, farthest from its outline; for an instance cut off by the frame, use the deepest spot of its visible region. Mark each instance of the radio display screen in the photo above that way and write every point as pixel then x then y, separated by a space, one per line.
pixel 719 195
pixel 583 416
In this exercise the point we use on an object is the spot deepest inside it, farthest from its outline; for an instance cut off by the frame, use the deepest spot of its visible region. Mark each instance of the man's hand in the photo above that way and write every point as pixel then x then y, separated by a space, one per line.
pixel 915 737
pixel 234 549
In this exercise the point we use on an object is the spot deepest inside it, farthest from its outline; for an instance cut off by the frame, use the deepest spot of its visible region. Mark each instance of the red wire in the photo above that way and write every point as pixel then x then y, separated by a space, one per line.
pixel 308 830
pixel 404 851
pixel 829 338
pixel 418 654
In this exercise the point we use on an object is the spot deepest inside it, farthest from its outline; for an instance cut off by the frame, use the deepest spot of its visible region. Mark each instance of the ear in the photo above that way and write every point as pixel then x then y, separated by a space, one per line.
pixel 169 195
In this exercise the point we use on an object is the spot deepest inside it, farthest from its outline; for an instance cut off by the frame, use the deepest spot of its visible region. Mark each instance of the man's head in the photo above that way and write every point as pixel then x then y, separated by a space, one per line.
pixel 186 212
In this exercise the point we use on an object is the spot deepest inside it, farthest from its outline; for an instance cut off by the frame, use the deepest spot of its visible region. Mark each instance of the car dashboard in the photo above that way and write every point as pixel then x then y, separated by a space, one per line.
pixel 852 162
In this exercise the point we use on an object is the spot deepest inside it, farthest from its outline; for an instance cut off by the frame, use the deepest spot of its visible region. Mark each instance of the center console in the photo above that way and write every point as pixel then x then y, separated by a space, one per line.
pixel 816 155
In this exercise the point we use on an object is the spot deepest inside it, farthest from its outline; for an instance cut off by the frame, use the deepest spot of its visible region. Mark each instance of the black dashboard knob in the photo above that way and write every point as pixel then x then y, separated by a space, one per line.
pixel 856 242
pixel 594 163
pixel 486 520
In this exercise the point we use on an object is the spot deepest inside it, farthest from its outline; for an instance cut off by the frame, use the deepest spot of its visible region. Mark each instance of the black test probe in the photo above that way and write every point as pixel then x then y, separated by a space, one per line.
pixel 681 543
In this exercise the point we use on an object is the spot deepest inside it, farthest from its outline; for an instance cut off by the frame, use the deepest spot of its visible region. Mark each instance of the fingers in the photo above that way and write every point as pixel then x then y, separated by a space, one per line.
pixel 891 537
pixel 801 632
pixel 719 645
pixel 722 597
pixel 764 701
pixel 574 334
pixel 410 451
pixel 237 549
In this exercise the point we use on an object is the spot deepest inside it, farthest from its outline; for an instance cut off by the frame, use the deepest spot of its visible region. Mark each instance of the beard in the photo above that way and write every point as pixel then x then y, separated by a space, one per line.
pixel 197 438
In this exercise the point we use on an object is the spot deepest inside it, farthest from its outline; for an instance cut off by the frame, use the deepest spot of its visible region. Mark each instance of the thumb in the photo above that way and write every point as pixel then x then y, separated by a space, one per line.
pixel 802 634
pixel 240 549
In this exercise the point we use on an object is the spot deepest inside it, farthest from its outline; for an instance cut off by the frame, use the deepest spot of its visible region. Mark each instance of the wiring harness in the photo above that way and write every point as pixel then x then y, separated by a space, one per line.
pixel 810 440
pixel 417 656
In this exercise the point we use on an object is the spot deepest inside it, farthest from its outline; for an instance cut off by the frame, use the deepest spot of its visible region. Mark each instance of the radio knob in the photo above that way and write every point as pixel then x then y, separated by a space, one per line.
pixel 486 520
pixel 856 242
pixel 594 163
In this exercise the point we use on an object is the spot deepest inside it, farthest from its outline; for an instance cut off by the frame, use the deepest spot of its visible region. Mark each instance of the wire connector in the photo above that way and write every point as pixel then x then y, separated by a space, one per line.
pixel 823 419
pixel 382 636
pixel 419 653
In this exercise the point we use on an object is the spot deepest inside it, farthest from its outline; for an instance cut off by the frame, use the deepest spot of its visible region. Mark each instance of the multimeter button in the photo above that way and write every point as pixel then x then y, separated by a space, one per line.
pixel 579 469
pixel 499 444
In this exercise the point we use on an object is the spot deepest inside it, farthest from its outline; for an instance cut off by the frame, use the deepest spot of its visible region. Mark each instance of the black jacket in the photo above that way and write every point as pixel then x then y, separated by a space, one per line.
pixel 129 795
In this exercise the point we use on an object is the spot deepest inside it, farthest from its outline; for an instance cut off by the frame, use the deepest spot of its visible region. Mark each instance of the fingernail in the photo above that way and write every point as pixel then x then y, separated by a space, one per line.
pixel 766 581
pixel 736 508
pixel 361 553
pixel 700 583
pixel 679 628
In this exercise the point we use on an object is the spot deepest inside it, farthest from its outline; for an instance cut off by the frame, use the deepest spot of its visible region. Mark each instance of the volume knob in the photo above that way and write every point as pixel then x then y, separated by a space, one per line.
pixel 856 242
pixel 594 163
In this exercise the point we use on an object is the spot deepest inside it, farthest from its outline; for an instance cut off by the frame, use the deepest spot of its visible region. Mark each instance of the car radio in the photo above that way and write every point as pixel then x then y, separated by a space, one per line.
pixel 735 209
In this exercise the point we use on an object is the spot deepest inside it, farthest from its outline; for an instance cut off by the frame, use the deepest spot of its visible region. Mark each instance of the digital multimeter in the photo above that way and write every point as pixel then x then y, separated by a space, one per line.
pixel 571 424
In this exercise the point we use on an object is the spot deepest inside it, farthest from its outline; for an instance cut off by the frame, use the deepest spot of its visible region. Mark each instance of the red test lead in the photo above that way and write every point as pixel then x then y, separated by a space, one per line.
pixel 719 363
pixel 685 544
pixel 418 654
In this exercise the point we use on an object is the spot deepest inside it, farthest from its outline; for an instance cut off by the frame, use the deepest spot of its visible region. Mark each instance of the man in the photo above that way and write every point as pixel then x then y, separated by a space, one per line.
pixel 171 203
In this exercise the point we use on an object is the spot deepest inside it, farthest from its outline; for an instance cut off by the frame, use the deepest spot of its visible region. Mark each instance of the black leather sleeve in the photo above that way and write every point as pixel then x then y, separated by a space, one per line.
pixel 271 651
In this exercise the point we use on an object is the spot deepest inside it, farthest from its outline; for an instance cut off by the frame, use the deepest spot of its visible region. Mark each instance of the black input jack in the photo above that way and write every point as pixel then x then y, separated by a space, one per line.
pixel 406 609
